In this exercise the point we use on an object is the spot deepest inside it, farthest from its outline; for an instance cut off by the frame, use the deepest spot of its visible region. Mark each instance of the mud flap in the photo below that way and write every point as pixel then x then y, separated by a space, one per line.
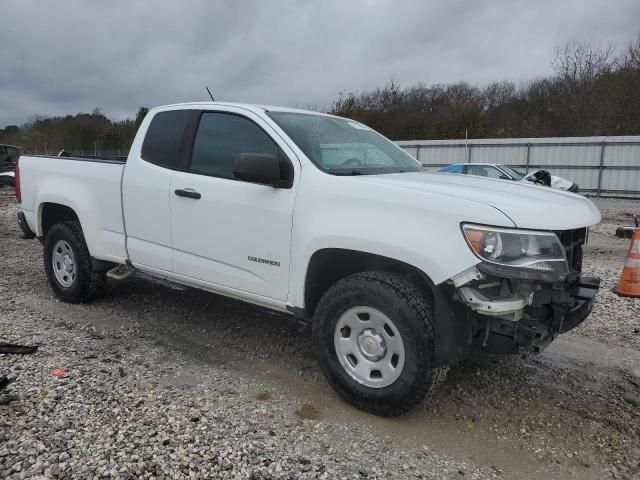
pixel 453 327
pixel 27 234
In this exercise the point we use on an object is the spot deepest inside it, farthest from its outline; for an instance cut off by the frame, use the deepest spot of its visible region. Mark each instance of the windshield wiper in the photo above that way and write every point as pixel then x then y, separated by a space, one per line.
pixel 366 171
pixel 346 173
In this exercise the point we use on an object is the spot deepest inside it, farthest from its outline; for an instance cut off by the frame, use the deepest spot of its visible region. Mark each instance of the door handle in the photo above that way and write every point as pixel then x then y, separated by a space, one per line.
pixel 188 192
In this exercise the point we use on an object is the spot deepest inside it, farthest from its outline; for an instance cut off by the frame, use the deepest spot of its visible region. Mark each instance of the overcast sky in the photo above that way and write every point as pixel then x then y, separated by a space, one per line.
pixel 59 57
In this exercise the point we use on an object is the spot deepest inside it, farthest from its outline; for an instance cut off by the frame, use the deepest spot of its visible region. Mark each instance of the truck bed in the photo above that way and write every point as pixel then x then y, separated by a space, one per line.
pixel 95 158
pixel 84 158
pixel 96 186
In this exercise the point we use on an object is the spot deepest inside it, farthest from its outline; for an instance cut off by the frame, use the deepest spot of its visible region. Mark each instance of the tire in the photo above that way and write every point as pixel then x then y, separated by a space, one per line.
pixel 73 285
pixel 411 314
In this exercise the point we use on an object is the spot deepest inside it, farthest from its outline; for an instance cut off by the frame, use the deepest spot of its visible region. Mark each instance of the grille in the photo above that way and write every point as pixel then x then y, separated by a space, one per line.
pixel 572 241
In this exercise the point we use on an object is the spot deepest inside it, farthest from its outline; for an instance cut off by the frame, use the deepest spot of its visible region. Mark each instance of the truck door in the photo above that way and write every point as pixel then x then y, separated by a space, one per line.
pixel 146 189
pixel 228 232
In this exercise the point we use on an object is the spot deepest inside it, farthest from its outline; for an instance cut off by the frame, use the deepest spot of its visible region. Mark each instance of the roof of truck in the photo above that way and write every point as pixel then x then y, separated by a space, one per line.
pixel 254 107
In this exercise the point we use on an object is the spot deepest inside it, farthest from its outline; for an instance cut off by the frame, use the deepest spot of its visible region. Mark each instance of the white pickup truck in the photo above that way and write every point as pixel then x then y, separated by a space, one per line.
pixel 400 270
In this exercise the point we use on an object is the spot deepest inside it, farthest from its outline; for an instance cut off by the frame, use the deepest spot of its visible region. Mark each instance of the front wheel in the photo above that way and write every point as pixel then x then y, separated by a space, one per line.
pixel 373 334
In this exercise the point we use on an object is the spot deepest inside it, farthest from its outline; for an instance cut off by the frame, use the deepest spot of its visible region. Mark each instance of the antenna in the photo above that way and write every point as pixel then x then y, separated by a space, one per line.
pixel 209 92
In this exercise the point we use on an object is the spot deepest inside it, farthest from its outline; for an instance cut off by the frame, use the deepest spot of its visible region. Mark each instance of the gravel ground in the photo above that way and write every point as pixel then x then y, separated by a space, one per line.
pixel 615 320
pixel 171 382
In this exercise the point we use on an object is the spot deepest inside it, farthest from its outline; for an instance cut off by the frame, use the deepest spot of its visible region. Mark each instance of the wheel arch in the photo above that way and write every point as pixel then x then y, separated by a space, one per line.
pixel 452 325
pixel 50 213
pixel 329 265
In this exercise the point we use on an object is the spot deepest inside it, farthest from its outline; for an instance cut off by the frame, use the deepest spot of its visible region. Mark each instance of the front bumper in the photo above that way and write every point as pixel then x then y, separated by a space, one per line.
pixel 552 309
pixel 491 309
pixel 583 295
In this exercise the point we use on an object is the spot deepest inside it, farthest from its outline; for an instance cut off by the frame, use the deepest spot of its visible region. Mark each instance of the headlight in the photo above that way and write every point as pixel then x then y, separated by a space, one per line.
pixel 517 253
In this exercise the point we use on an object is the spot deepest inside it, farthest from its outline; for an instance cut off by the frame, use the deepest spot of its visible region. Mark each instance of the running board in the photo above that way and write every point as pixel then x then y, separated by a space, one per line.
pixel 121 272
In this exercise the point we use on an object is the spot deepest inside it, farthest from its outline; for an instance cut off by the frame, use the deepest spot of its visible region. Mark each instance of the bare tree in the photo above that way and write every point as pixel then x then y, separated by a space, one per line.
pixel 630 60
pixel 582 63
pixel 497 94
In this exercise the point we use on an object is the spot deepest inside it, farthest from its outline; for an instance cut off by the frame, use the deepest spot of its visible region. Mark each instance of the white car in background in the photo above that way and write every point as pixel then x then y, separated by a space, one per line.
pixel 6 178
pixel 8 159
pixel 505 172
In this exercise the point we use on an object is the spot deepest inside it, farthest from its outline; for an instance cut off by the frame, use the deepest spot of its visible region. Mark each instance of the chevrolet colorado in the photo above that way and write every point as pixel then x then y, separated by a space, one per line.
pixel 400 270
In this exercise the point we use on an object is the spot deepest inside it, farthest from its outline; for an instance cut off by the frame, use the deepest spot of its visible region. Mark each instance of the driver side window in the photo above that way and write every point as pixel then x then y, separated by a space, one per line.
pixel 221 138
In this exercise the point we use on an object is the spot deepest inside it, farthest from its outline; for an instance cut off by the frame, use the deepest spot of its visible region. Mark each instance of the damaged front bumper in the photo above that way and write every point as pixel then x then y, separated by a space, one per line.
pixel 504 306
pixel 517 316
pixel 576 305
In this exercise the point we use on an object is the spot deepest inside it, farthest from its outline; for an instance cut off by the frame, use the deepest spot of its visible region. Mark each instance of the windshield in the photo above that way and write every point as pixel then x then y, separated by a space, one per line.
pixel 515 174
pixel 344 147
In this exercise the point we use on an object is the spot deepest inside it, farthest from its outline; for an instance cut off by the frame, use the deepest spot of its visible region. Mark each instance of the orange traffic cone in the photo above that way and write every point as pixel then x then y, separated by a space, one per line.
pixel 629 285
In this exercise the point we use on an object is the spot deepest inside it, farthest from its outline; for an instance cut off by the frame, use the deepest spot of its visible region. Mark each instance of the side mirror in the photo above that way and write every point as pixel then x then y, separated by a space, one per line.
pixel 504 177
pixel 264 169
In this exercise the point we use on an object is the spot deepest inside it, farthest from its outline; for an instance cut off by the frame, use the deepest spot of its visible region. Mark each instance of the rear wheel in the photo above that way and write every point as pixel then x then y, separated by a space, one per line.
pixel 68 266
pixel 373 334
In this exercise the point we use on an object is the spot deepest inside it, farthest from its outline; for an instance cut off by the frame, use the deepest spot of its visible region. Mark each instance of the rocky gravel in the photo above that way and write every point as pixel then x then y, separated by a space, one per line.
pixel 615 320
pixel 162 381
pixel 125 408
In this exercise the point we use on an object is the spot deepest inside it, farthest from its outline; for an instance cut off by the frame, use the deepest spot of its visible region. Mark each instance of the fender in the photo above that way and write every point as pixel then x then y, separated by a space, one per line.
pixel 338 213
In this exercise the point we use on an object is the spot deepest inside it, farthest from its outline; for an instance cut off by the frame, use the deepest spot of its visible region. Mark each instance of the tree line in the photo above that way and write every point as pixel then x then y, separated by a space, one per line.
pixel 594 90
pixel 84 132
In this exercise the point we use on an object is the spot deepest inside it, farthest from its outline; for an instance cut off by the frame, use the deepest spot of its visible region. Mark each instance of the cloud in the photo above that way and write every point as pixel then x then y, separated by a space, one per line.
pixel 65 57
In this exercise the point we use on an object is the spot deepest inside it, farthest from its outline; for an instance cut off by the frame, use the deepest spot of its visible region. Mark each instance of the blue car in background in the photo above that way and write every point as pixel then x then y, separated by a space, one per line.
pixel 505 172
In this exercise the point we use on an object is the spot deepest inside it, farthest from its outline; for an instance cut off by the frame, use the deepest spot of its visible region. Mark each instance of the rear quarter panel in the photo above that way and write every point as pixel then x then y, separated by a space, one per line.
pixel 90 188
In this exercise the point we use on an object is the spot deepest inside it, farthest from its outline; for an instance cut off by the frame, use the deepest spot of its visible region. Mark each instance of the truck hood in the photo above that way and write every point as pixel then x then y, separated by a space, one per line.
pixel 526 205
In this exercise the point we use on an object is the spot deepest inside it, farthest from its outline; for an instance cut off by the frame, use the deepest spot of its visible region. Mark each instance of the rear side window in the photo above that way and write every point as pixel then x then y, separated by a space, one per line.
pixel 484 171
pixel 164 137
pixel 221 137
